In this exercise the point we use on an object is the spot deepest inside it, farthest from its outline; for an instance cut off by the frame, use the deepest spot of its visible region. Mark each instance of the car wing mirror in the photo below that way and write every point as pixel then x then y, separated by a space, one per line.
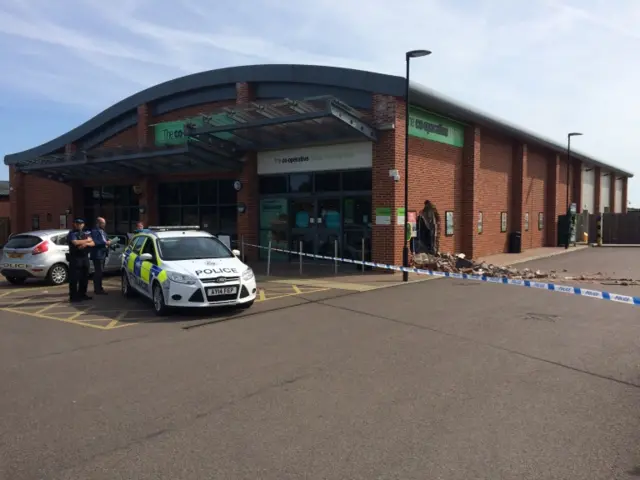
pixel 236 252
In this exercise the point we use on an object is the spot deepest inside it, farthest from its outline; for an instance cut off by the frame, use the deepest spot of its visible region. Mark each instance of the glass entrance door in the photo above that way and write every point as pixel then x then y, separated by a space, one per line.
pixel 317 223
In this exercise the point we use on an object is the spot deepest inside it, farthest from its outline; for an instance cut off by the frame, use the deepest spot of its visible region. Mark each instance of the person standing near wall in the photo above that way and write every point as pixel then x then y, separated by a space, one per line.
pixel 431 220
pixel 78 257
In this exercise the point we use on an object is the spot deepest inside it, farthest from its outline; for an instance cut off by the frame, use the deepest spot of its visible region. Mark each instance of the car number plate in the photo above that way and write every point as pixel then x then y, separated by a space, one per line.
pixel 15 255
pixel 212 292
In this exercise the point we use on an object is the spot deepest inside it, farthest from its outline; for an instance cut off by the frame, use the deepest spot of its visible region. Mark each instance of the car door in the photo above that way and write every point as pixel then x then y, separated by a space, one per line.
pixel 116 250
pixel 132 266
pixel 146 266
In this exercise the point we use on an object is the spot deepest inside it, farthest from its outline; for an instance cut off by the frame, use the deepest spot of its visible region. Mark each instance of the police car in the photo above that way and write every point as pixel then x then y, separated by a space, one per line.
pixel 185 267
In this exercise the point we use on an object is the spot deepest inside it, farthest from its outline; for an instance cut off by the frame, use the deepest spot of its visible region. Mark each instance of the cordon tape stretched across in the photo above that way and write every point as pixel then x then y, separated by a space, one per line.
pixel 552 287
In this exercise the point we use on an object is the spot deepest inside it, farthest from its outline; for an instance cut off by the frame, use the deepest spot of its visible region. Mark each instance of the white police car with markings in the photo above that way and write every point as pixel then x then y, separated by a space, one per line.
pixel 182 267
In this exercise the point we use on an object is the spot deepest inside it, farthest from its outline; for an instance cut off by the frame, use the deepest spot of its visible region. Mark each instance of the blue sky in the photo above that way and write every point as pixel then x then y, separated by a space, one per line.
pixel 551 66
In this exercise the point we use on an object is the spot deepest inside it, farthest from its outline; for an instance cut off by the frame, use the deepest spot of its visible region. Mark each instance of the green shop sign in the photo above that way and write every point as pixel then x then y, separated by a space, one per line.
pixel 172 133
pixel 434 128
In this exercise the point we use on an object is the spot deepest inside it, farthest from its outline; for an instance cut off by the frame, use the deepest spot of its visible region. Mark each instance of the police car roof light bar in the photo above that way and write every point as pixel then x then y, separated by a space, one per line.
pixel 174 228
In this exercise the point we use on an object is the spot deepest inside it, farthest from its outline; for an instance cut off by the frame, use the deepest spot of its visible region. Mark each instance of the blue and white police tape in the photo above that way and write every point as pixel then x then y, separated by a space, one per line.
pixel 552 287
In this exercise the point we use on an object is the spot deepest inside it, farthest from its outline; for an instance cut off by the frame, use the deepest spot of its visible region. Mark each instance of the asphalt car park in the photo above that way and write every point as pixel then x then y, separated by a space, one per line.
pixel 115 312
pixel 458 379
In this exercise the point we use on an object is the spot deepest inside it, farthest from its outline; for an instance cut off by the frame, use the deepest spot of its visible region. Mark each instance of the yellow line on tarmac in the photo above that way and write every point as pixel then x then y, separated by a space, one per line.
pixel 262 295
pixel 329 284
pixel 296 289
pixel 47 317
pixel 116 320
pixel 77 314
pixel 48 307
pixel 24 300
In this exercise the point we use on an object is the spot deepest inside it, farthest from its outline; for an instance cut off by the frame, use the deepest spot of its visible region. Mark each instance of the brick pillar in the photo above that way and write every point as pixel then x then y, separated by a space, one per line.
pixel 388 154
pixel 249 194
pixel 519 200
pixel 625 192
pixel 17 207
pixel 551 213
pixel 612 192
pixel 149 200
pixel 145 135
pixel 597 190
pixel 576 184
pixel 470 169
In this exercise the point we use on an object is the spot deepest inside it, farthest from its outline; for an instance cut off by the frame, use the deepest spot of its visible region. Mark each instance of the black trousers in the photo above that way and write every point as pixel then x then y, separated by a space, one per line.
pixel 78 277
pixel 98 273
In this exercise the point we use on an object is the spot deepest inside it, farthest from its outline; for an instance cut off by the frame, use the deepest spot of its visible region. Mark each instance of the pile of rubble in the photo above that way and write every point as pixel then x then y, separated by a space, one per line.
pixel 447 262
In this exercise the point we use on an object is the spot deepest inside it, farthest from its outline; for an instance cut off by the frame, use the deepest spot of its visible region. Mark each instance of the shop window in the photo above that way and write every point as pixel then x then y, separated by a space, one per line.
pixel 209 218
pixel 169 194
pixel 357 211
pixel 327 182
pixel 190 216
pixel 300 183
pixel 123 195
pixel 108 196
pixel 91 196
pixel 228 220
pixel 189 193
pixel 273 184
pixel 169 216
pixel 209 192
pixel 227 195
pixel 357 180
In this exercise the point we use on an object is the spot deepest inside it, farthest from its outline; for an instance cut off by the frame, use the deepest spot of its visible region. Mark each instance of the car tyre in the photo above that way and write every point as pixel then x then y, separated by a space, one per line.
pixel 159 306
pixel 58 274
pixel 16 280
pixel 125 286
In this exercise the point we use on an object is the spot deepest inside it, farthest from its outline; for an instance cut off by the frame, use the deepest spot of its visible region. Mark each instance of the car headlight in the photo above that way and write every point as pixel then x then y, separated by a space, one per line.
pixel 180 278
pixel 247 275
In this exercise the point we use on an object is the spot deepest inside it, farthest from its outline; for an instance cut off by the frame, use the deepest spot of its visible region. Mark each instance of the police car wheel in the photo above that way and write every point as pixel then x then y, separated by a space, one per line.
pixel 159 306
pixel 58 274
pixel 124 286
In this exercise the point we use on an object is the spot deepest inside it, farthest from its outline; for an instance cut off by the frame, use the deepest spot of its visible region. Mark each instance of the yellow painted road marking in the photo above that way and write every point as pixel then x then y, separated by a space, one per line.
pixel 47 317
pixel 24 300
pixel 296 289
pixel 116 320
pixel 48 307
pixel 329 284
pixel 262 295
pixel 77 314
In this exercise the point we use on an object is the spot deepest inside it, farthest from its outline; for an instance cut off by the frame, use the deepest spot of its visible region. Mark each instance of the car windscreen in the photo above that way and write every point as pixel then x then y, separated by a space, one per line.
pixel 23 241
pixel 192 248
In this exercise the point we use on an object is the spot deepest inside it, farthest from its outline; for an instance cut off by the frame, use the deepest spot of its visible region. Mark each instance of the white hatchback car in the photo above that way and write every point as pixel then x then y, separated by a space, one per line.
pixel 184 267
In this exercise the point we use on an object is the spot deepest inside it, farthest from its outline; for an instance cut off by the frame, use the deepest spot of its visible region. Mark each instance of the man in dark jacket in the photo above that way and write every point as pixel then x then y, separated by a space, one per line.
pixel 99 254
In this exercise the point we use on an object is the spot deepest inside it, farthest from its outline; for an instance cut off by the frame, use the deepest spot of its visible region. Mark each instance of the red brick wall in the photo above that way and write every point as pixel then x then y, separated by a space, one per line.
pixel 45 197
pixel 435 173
pixel 388 154
pixel 495 177
pixel 5 207
pixel 127 138
pixel 534 197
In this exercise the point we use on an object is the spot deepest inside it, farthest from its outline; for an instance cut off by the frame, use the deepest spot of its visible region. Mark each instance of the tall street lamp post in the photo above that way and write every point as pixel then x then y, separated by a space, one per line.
pixel 405 249
pixel 569 135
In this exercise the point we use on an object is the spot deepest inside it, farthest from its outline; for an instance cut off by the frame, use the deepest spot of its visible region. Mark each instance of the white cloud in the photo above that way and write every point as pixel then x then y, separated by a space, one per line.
pixel 548 65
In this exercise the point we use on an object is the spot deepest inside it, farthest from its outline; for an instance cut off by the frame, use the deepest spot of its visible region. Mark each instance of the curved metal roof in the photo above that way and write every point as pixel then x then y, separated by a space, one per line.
pixel 303 74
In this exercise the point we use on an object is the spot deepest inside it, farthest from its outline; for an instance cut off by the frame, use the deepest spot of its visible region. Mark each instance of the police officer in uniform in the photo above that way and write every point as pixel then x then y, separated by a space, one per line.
pixel 80 243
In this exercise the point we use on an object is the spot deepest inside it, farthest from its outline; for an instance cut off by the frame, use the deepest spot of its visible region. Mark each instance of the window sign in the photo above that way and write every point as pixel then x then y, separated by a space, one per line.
pixel 503 222
pixel 448 223
pixel 480 222
pixel 540 221
pixel 526 221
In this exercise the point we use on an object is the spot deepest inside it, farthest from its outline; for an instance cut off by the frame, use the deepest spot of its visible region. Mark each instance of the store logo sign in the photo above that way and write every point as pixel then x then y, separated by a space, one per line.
pixel 316 159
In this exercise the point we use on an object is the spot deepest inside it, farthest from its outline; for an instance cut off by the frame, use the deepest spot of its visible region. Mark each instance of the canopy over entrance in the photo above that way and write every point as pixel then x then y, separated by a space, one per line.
pixel 214 141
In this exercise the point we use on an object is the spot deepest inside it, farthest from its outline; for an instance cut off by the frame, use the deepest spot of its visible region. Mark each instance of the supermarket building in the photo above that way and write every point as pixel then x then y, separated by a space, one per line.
pixel 305 153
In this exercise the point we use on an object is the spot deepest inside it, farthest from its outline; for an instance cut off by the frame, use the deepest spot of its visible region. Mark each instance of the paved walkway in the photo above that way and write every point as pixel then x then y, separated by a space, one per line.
pixel 529 255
